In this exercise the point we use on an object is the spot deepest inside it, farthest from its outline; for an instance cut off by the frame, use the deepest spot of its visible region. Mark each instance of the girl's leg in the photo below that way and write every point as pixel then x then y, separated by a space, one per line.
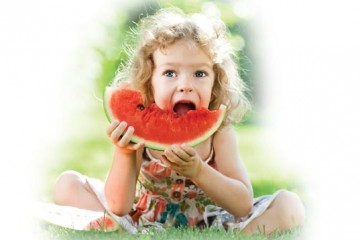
pixel 285 212
pixel 71 189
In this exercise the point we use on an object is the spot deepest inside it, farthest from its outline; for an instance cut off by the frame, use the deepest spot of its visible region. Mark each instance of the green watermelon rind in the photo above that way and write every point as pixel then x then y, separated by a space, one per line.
pixel 106 99
pixel 157 145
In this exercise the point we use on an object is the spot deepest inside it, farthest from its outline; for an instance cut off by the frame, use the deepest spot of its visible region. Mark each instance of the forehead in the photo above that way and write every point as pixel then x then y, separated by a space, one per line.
pixel 182 52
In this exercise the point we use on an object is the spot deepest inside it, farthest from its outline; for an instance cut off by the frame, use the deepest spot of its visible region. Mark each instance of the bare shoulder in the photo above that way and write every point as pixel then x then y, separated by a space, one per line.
pixel 225 144
pixel 226 134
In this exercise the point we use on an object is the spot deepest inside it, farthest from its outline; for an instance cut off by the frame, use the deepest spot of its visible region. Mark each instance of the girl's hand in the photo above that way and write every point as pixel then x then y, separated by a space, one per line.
pixel 121 136
pixel 183 159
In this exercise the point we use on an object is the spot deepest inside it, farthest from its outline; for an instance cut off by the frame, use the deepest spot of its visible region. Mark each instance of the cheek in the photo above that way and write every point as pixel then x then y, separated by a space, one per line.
pixel 159 96
pixel 206 96
pixel 208 88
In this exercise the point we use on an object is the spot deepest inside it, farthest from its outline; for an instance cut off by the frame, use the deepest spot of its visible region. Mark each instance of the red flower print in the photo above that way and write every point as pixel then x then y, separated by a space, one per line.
pixel 193 221
pixel 191 194
pixel 159 208
pixel 156 170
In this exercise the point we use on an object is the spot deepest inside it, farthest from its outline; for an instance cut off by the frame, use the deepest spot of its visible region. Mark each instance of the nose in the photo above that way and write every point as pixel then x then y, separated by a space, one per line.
pixel 185 85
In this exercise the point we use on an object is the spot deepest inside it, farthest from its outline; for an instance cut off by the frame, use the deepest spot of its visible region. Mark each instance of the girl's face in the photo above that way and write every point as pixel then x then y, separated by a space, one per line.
pixel 182 78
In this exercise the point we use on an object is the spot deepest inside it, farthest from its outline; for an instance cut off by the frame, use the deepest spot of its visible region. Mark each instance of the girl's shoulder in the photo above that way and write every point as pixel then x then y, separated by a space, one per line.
pixel 224 133
pixel 225 141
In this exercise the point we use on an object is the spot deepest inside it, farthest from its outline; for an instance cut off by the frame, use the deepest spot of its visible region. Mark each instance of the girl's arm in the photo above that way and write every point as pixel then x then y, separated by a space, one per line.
pixel 228 184
pixel 120 184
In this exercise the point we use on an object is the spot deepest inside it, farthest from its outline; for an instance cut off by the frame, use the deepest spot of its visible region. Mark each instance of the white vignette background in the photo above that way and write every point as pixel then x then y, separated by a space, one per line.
pixel 309 68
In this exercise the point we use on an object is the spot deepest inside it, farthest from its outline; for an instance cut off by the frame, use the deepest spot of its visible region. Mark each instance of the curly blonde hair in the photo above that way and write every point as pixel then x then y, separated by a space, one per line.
pixel 170 25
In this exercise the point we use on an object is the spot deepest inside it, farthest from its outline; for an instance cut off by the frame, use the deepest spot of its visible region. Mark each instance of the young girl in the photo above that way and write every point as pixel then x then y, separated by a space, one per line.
pixel 182 62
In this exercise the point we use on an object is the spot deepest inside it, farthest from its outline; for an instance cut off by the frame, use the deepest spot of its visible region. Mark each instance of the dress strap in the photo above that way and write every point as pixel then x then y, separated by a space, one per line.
pixel 211 155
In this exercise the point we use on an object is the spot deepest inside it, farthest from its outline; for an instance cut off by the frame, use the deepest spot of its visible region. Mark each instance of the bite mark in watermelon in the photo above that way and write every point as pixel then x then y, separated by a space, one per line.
pixel 160 128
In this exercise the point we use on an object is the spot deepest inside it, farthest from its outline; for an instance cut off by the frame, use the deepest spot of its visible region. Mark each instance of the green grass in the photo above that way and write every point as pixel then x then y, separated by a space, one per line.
pixel 58 233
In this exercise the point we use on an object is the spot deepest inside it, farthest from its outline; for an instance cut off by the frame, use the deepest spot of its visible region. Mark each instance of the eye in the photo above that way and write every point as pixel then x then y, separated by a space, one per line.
pixel 169 73
pixel 200 74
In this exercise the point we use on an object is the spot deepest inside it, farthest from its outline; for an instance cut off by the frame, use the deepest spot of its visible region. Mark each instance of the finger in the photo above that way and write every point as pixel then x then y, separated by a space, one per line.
pixel 125 139
pixel 190 151
pixel 180 153
pixel 172 157
pixel 119 130
pixel 112 127
pixel 165 160
pixel 138 145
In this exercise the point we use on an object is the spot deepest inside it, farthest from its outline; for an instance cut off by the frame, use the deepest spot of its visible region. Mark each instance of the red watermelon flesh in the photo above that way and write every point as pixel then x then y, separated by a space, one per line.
pixel 160 128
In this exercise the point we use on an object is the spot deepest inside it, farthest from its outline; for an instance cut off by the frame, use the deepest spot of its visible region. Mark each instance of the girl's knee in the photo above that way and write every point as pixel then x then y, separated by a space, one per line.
pixel 66 185
pixel 290 209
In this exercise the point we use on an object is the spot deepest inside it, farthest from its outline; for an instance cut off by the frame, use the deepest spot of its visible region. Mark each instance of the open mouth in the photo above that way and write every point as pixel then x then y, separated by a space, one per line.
pixel 182 108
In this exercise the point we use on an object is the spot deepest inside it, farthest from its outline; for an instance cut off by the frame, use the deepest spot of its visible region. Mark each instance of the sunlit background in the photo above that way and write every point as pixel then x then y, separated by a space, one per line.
pixel 300 59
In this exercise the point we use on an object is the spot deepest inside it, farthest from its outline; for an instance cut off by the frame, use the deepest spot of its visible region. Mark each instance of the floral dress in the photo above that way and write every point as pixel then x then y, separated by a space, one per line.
pixel 165 198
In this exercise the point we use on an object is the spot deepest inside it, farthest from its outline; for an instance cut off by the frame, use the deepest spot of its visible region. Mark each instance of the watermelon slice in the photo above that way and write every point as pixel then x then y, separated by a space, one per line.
pixel 160 128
